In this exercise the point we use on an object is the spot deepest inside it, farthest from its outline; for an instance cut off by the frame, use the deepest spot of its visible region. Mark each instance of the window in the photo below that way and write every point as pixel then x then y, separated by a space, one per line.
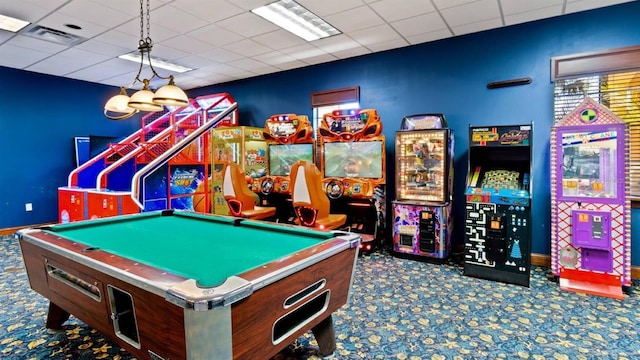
pixel 613 79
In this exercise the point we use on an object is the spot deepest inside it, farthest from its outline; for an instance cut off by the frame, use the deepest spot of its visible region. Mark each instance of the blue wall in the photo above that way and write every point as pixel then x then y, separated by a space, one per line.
pixel 39 117
pixel 447 76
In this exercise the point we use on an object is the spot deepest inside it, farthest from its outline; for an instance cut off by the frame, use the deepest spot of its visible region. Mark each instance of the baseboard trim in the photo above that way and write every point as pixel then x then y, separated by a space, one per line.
pixel 545 260
pixel 12 230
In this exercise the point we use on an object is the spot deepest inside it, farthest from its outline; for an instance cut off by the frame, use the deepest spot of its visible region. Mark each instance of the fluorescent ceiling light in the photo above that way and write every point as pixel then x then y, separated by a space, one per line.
pixel 294 18
pixel 12 24
pixel 159 63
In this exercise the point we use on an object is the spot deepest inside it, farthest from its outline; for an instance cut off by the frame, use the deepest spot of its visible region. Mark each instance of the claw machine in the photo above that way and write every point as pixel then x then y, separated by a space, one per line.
pixel 498 204
pixel 422 221
pixel 590 207
pixel 242 145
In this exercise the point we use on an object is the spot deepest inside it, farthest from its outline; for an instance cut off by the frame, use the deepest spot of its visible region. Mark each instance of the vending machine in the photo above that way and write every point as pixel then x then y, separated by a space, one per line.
pixel 422 221
pixel 590 207
pixel 498 204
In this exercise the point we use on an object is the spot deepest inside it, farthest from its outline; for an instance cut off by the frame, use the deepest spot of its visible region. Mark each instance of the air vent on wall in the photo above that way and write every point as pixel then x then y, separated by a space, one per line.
pixel 53 35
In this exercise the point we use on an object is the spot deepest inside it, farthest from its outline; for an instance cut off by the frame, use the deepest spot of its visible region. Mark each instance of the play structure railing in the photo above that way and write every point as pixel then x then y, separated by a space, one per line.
pixel 137 182
pixel 139 148
pixel 113 152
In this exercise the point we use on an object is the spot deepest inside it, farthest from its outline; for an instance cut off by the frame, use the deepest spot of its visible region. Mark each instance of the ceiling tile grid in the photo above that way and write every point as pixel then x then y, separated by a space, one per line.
pixel 223 41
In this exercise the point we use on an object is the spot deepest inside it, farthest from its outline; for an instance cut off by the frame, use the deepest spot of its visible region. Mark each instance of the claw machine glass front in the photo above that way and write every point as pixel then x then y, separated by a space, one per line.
pixel 589 166
pixel 422 165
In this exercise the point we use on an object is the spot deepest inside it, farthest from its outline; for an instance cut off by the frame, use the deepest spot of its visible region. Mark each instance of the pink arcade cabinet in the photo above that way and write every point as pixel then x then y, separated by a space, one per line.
pixel 590 207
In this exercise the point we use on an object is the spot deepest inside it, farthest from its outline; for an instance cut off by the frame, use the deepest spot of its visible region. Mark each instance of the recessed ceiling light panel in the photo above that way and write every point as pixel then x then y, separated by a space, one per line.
pixel 12 24
pixel 296 19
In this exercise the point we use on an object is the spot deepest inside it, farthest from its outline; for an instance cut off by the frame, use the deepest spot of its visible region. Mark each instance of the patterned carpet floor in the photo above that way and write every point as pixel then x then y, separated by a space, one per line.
pixel 399 309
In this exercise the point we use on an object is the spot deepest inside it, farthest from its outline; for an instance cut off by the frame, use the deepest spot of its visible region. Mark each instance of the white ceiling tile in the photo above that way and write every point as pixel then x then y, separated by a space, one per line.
pixel 445 4
pixel 304 51
pixel 472 12
pixel 336 43
pixel 353 52
pixel 393 10
pixel 24 10
pixel 247 47
pixel 176 19
pixel 211 11
pixel 105 48
pixel 186 43
pixel 95 13
pixel 328 7
pixel 248 4
pixel 279 39
pixel 355 19
pixel 215 35
pixel 377 34
pixel 167 52
pixel 582 5
pixel 320 59
pixel 430 36
pixel 196 62
pixel 291 65
pixel 247 64
pixel 220 55
pixel 388 45
pixel 19 57
pixel 33 43
pixel 238 24
pixel 419 24
pixel 47 4
pixel 533 15
pixel 477 26
pixel 274 58
pixel 510 7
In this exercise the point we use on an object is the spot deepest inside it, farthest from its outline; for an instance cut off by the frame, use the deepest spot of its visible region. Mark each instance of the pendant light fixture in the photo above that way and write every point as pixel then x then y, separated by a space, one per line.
pixel 122 106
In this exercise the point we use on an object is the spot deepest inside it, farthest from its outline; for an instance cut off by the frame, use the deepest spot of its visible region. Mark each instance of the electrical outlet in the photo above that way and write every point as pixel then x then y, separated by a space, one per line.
pixel 28 207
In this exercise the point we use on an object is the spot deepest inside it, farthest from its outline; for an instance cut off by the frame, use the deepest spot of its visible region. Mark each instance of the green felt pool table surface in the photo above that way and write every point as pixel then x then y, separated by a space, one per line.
pixel 206 248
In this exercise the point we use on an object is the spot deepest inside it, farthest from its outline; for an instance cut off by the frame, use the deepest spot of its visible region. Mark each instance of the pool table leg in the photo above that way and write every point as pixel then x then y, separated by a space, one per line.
pixel 56 317
pixel 325 336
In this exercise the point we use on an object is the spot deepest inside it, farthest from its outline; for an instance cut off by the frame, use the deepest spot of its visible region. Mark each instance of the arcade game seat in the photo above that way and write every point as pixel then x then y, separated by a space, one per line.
pixel 239 197
pixel 310 203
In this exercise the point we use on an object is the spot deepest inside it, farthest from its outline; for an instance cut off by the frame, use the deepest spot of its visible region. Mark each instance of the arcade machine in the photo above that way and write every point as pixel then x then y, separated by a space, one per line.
pixel 289 138
pixel 498 204
pixel 422 221
pixel 351 153
pixel 590 208
pixel 242 145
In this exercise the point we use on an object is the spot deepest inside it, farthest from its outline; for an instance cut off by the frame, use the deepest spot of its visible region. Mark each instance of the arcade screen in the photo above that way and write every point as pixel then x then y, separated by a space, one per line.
pixel 360 159
pixel 282 156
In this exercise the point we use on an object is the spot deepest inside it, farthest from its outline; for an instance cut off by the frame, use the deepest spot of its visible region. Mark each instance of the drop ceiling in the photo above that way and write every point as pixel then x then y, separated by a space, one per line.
pixel 223 41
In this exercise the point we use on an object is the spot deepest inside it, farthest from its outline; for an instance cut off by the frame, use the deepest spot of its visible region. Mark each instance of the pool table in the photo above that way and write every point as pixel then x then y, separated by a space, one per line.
pixel 181 285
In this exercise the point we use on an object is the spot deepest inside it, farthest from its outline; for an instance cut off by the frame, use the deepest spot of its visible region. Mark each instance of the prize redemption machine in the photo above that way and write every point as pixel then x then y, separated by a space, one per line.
pixel 590 208
pixel 422 221
pixel 352 159
pixel 289 138
pixel 242 145
pixel 498 204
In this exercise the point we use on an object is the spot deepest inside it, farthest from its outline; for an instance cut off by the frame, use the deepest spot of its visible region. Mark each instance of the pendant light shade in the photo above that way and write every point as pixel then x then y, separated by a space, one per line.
pixel 143 100
pixel 117 108
pixel 171 95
